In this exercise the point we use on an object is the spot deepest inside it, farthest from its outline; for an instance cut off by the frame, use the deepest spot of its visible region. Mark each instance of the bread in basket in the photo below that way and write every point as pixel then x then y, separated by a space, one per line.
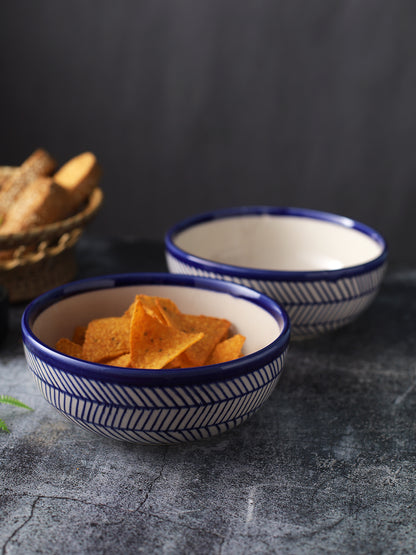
pixel 37 237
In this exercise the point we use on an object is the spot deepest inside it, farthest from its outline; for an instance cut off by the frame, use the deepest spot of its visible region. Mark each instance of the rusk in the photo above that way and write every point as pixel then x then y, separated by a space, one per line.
pixel 39 163
pixel 79 176
pixel 5 173
pixel 41 202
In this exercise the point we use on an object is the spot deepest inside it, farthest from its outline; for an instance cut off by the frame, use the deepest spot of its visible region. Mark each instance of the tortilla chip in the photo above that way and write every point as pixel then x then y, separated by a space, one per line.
pixel 229 349
pixel 153 334
pixel 181 361
pixel 152 344
pixel 149 304
pixel 214 330
pixel 169 311
pixel 79 334
pixel 68 347
pixel 123 361
pixel 106 338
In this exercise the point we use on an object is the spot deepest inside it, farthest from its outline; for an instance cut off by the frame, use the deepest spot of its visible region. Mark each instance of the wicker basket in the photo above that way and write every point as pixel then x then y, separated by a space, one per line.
pixel 43 257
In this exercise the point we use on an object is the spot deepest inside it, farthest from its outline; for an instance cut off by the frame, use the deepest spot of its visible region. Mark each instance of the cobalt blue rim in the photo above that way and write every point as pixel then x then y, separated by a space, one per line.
pixel 133 376
pixel 273 275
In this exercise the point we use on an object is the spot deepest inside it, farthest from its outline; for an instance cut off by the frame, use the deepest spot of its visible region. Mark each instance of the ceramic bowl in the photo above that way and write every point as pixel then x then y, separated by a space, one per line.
pixel 156 406
pixel 324 269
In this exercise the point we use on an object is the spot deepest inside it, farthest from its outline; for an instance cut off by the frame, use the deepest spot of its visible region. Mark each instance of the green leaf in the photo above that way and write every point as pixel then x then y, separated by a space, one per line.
pixel 12 401
pixel 3 426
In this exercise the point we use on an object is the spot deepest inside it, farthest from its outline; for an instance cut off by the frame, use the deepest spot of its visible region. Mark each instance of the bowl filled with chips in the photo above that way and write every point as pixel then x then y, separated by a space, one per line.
pixel 155 358
pixel 324 269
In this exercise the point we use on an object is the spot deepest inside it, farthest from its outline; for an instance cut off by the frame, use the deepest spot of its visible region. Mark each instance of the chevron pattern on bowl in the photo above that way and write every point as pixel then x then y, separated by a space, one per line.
pixel 156 406
pixel 322 268
pixel 314 306
pixel 164 414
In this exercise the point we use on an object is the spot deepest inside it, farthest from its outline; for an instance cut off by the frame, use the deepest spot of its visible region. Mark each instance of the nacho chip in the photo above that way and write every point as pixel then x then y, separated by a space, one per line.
pixel 229 349
pixel 106 338
pixel 123 361
pixel 152 344
pixel 214 330
pixel 79 334
pixel 153 333
pixel 68 347
pixel 169 311
pixel 149 304
pixel 181 361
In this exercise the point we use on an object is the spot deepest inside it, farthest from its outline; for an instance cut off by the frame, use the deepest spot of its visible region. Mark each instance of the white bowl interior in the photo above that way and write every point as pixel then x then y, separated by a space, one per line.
pixel 285 243
pixel 59 320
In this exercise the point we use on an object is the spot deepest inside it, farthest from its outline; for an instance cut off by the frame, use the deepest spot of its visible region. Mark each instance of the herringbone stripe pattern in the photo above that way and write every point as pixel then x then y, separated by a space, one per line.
pixel 146 414
pixel 313 306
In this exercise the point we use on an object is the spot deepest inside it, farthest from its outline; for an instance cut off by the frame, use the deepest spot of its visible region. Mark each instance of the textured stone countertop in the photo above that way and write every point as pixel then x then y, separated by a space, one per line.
pixel 328 465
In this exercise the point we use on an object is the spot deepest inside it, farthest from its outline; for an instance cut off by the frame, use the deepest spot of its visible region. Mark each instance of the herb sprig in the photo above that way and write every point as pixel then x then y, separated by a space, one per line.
pixel 7 399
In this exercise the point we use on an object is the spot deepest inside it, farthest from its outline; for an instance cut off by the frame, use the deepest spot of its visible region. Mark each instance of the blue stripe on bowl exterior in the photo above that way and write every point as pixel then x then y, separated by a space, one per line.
pixel 316 301
pixel 166 414
pixel 162 406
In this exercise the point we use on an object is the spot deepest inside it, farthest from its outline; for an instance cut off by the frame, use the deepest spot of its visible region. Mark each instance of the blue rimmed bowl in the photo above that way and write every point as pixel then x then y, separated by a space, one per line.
pixel 324 269
pixel 156 406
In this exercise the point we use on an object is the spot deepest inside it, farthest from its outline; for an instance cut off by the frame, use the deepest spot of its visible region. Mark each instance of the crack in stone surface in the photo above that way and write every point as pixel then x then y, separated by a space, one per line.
pixel 153 482
pixel 324 528
pixel 39 498
pixel 24 523
pixel 53 498
pixel 83 502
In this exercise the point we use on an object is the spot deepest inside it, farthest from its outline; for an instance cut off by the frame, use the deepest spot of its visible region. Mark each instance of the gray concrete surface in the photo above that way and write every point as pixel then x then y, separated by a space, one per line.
pixel 328 465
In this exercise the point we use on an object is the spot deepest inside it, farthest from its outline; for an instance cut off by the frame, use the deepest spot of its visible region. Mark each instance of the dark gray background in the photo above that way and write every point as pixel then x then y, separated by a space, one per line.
pixel 195 105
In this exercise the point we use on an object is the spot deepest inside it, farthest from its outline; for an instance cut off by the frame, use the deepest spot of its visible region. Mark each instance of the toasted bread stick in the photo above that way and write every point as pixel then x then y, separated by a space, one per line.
pixel 5 173
pixel 41 202
pixel 79 176
pixel 40 163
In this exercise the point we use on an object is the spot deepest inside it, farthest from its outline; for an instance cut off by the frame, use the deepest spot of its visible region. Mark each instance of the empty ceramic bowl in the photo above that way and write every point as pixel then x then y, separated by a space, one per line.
pixel 156 406
pixel 322 268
